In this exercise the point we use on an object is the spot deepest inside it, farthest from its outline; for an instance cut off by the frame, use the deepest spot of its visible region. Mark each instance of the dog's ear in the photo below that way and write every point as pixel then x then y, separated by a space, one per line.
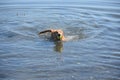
pixel 45 31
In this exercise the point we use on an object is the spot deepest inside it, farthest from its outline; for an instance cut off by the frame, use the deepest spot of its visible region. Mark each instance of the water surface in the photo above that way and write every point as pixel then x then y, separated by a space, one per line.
pixel 91 53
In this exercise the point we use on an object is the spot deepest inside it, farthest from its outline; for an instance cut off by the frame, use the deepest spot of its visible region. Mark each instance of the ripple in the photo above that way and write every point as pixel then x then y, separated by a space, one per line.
pixel 91 53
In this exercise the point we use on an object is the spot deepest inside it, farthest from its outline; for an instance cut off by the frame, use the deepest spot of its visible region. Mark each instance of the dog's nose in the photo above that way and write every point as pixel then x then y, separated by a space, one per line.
pixel 58 34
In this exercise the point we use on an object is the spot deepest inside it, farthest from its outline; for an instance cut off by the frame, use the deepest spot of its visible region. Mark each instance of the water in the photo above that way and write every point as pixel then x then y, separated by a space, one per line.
pixel 91 53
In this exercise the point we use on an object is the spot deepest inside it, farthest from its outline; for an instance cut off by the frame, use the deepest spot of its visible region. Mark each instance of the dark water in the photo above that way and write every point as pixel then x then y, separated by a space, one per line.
pixel 92 51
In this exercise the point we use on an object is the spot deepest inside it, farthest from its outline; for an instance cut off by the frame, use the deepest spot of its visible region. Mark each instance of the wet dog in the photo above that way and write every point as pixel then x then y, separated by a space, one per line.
pixel 56 35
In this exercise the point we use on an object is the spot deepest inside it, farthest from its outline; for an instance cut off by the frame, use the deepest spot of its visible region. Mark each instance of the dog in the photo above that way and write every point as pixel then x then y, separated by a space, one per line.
pixel 56 35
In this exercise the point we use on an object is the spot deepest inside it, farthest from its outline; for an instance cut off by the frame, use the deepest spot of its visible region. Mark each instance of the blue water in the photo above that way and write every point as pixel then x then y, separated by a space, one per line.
pixel 92 51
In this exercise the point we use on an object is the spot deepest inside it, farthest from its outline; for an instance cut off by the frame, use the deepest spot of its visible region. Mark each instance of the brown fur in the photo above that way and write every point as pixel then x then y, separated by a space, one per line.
pixel 54 34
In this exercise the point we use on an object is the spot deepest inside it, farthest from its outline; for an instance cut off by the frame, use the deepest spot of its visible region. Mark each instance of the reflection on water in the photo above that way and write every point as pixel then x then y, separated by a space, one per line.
pixel 92 51
pixel 58 46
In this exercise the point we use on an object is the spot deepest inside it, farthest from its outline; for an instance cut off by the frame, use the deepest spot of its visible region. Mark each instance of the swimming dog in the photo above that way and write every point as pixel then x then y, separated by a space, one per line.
pixel 56 35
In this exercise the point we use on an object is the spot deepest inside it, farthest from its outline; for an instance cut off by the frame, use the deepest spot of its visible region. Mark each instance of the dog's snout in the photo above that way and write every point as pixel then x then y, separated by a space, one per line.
pixel 58 34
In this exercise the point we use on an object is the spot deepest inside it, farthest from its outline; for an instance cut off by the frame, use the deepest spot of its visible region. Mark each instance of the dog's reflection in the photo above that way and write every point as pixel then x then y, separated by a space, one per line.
pixel 58 46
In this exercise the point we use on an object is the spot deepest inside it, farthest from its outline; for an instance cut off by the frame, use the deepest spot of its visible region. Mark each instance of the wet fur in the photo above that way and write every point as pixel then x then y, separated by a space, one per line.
pixel 54 34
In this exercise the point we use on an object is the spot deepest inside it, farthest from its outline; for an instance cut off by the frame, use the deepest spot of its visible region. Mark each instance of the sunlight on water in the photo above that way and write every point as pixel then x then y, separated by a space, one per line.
pixel 92 49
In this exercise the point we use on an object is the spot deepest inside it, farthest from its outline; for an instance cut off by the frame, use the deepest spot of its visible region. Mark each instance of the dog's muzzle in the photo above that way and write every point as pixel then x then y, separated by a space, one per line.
pixel 59 37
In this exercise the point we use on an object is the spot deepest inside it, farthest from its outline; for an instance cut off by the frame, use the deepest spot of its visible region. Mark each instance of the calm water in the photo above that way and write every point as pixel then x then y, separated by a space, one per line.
pixel 91 53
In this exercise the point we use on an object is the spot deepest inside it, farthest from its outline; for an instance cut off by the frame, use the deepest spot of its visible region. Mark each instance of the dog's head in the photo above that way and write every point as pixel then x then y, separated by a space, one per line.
pixel 57 35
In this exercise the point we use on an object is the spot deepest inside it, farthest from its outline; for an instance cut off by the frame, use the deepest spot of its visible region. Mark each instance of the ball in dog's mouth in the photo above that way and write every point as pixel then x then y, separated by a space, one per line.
pixel 59 37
